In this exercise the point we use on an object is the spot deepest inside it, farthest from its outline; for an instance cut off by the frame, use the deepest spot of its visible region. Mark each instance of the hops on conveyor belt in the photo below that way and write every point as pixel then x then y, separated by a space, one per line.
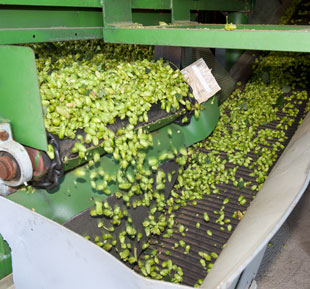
pixel 226 169
pixel 223 173
pixel 89 87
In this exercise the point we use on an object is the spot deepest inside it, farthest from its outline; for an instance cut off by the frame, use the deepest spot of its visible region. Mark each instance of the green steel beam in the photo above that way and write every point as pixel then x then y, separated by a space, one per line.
pixel 42 24
pixel 26 21
pixel 60 3
pixel 14 36
pixel 248 27
pixel 253 37
pixel 38 17
pixel 232 5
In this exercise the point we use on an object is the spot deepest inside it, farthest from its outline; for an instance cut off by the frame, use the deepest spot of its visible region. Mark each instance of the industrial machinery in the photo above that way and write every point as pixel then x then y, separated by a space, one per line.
pixel 75 182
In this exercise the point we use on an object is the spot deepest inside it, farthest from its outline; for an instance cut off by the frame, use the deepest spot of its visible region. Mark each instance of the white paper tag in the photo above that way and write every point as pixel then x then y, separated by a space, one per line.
pixel 199 77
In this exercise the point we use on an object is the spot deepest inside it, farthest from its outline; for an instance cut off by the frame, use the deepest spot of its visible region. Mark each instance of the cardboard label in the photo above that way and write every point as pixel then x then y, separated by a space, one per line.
pixel 199 77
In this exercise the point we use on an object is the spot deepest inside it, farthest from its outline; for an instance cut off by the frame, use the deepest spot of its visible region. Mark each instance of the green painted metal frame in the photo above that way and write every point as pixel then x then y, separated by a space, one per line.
pixel 20 100
pixel 250 37
pixel 20 36
pixel 180 10
pixel 26 24
pixel 5 259
pixel 233 5
pixel 24 21
pixel 116 12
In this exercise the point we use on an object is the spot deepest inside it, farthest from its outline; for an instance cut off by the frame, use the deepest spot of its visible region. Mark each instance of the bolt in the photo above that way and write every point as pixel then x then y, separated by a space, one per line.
pixel 4 135
pixel 7 168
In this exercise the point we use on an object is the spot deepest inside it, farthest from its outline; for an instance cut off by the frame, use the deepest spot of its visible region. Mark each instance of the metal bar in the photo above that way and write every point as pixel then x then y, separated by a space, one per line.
pixel 40 17
pixel 233 5
pixel 13 36
pixel 279 38
pixel 60 3
pixel 194 25
pixel 151 4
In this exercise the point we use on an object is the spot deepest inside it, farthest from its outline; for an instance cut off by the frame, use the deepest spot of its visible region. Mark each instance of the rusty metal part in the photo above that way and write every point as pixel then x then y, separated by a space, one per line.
pixel 4 135
pixel 37 161
pixel 8 168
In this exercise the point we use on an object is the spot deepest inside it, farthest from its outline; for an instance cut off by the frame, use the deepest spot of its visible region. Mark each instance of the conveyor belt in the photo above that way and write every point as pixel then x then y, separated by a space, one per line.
pixel 156 115
pixel 184 248
pixel 190 215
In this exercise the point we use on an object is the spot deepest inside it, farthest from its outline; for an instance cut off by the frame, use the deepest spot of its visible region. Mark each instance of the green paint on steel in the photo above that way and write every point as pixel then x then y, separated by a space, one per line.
pixel 180 10
pixel 20 100
pixel 75 195
pixel 232 5
pixel 116 12
pixel 60 3
pixel 199 129
pixel 18 36
pixel 5 259
pixel 42 17
pixel 247 27
pixel 252 37
pixel 151 4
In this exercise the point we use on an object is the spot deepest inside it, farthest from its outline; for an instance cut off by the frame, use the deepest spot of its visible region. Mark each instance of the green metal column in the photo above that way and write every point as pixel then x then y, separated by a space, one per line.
pixel 117 12
pixel 232 55
pixel 180 10
pixel 5 259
